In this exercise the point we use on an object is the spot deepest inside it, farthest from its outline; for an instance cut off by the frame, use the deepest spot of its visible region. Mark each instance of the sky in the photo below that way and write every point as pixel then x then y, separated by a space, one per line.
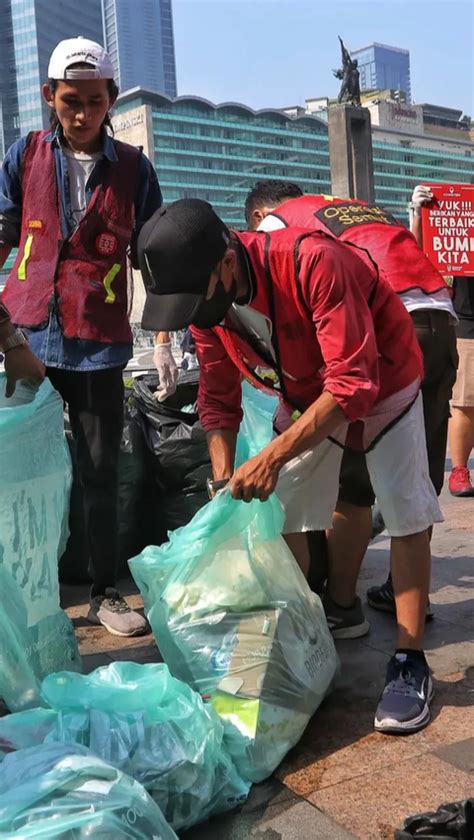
pixel 277 53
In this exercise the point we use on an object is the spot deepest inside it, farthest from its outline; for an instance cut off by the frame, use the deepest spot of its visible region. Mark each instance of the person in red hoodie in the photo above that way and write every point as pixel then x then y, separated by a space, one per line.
pixel 300 314
pixel 377 235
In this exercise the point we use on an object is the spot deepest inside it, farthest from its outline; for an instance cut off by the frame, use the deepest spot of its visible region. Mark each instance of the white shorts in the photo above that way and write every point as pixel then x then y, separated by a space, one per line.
pixel 308 486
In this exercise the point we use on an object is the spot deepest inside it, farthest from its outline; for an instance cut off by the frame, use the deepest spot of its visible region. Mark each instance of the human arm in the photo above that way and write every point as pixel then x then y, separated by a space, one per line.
pixel 166 366
pixel 20 363
pixel 421 196
pixel 11 201
pixel 148 200
pixel 257 478
pixel 219 401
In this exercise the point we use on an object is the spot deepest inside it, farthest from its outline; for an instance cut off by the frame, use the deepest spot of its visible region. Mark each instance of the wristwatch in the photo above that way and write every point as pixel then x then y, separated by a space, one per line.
pixel 17 339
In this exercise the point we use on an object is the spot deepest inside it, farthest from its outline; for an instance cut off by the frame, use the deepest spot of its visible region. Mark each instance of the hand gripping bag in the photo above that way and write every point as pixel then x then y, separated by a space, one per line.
pixel 64 791
pixel 146 724
pixel 234 617
pixel 36 636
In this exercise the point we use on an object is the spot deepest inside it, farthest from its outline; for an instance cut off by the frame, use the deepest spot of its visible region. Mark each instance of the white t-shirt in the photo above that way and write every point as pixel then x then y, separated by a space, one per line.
pixel 412 300
pixel 80 166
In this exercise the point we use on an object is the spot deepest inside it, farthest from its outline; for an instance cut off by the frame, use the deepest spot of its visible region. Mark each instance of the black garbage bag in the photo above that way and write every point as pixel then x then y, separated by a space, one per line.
pixel 177 442
pixel 139 515
pixel 455 820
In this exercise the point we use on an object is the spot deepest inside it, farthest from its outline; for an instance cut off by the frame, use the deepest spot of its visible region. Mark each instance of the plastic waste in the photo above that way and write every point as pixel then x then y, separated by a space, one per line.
pixel 455 820
pixel 234 617
pixel 177 442
pixel 36 636
pixel 146 724
pixel 64 791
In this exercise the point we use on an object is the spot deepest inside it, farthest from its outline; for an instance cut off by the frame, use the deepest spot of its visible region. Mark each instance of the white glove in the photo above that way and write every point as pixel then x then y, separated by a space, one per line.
pixel 167 370
pixel 421 195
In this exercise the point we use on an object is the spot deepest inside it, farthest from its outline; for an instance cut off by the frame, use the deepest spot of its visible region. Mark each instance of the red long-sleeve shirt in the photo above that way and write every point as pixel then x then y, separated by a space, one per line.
pixel 335 327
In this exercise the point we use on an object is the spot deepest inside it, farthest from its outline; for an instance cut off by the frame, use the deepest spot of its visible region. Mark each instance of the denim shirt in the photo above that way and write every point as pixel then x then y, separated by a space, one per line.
pixel 49 343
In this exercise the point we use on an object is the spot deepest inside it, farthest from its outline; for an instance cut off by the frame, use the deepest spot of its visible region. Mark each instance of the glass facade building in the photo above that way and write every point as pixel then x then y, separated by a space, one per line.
pixel 29 31
pixel 218 152
pixel 140 41
pixel 384 68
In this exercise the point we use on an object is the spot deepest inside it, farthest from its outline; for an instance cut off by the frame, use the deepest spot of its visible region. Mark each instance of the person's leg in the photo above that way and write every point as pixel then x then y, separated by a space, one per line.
pixel 298 545
pixel 411 570
pixel 461 435
pixel 437 340
pixel 461 425
pixel 351 528
pixel 347 544
pixel 398 467
pixel 95 403
pixel 96 416
pixel 348 540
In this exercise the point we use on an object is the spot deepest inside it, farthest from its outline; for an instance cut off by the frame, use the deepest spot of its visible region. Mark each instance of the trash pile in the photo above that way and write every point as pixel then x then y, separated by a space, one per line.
pixel 36 636
pixel 455 820
pixel 163 467
pixel 146 750
pixel 234 617
pixel 61 790
pixel 144 723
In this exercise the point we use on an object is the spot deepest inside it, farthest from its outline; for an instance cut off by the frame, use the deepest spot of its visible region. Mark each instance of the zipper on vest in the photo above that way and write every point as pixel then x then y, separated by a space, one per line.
pixel 26 255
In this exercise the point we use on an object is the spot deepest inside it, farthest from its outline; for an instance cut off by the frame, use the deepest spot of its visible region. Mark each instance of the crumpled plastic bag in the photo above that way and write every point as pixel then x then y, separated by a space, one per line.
pixel 146 724
pixel 234 617
pixel 36 636
pixel 455 820
pixel 64 791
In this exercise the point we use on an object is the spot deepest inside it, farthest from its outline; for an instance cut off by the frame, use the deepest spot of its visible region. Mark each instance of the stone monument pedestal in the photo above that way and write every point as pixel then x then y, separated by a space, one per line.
pixel 350 152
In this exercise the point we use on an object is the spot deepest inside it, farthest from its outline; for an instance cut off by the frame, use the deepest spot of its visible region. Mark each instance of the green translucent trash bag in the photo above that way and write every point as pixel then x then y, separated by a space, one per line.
pixel 234 617
pixel 141 720
pixel 64 791
pixel 36 636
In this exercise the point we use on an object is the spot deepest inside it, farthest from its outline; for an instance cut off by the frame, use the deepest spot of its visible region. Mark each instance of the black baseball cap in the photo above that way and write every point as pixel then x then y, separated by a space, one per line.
pixel 178 248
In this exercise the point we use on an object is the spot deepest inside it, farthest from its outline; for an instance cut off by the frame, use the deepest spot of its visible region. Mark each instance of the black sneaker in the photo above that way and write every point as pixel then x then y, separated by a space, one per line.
pixel 112 612
pixel 345 623
pixel 383 598
pixel 404 705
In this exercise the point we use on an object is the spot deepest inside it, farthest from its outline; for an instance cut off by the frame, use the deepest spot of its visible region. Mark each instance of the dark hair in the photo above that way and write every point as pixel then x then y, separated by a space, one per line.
pixel 113 93
pixel 270 193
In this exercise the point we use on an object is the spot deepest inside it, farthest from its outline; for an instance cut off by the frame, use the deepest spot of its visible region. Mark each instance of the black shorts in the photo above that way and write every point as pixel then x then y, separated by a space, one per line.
pixel 437 339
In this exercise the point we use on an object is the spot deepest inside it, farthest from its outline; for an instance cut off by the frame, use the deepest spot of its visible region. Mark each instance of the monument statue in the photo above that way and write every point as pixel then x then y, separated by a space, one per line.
pixel 349 73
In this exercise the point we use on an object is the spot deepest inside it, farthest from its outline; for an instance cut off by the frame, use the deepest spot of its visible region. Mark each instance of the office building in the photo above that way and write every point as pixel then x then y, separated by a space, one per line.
pixel 217 152
pixel 29 31
pixel 138 35
pixel 383 67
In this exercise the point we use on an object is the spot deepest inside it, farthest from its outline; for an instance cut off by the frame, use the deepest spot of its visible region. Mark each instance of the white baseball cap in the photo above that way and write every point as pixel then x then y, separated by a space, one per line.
pixel 79 51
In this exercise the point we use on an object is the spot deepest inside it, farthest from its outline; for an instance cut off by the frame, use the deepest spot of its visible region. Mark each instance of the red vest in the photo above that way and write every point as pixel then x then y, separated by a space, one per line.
pixel 86 273
pixel 367 226
pixel 321 340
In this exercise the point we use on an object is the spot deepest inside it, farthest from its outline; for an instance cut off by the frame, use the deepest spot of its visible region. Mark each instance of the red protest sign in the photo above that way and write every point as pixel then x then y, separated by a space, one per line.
pixel 448 228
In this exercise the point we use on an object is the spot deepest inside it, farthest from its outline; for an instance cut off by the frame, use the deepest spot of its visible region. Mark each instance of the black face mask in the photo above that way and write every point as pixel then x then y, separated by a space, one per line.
pixel 211 312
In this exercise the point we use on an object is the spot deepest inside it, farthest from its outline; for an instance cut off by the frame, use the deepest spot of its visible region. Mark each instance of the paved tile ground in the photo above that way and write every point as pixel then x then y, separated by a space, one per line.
pixel 344 780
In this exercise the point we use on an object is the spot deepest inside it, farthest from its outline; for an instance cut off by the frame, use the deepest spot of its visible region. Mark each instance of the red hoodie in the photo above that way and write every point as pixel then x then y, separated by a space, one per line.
pixel 335 327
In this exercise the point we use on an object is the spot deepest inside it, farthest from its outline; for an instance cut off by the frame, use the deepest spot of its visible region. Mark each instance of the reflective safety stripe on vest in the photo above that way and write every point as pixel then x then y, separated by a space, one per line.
pixel 26 256
pixel 108 280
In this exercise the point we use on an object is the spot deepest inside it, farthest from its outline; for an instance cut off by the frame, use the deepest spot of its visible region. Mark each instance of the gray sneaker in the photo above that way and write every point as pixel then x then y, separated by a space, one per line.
pixel 405 703
pixel 343 623
pixel 113 613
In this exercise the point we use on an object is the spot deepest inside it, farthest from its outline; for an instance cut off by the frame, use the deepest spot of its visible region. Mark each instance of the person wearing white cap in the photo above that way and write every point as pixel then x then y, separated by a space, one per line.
pixel 73 200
